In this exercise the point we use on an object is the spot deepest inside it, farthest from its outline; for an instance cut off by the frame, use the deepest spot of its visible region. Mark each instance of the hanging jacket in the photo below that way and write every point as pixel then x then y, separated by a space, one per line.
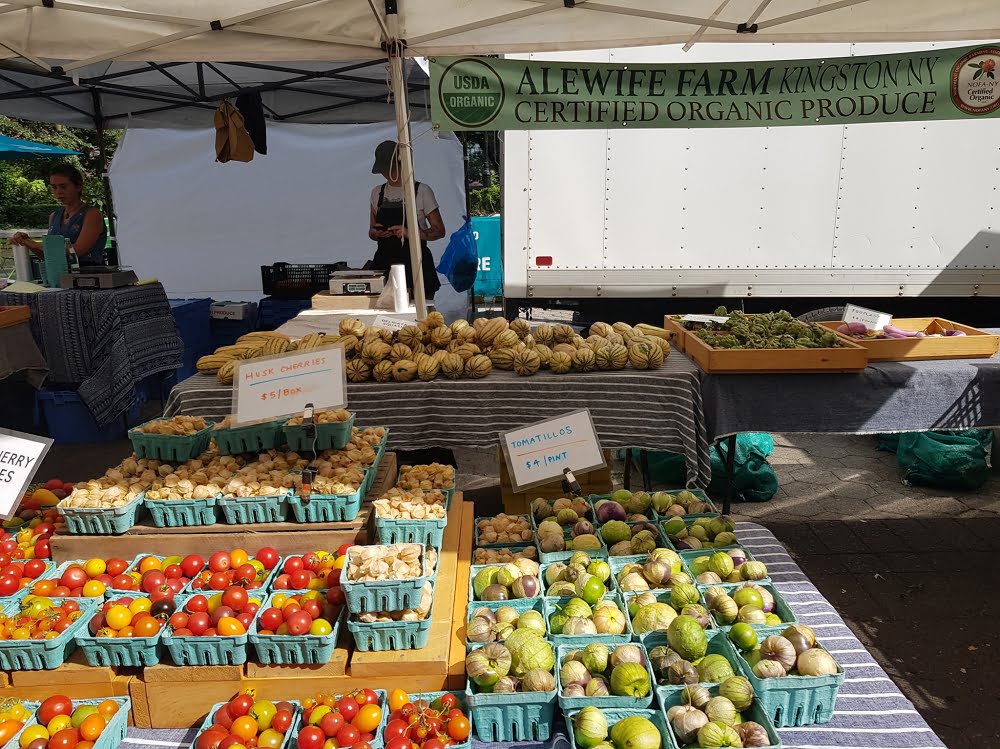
pixel 252 109
pixel 232 141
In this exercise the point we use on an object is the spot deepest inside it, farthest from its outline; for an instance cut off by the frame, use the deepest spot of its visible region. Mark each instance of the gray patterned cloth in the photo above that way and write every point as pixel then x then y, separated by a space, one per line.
pixel 886 397
pixel 871 712
pixel 658 410
pixel 103 343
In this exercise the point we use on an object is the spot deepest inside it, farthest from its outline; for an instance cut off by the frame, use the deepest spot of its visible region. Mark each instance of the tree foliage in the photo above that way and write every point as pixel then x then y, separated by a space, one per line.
pixel 25 201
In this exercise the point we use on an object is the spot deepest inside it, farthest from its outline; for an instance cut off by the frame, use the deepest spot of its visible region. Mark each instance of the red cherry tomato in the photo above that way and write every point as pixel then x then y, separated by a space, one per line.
pixel 394 728
pixel 311 737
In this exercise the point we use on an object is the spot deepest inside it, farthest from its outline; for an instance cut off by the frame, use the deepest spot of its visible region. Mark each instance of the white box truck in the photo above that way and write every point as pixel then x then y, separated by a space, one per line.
pixel 629 224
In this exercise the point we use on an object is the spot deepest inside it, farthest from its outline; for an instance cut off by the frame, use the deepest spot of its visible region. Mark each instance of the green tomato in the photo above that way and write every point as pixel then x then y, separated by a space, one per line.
pixel 743 636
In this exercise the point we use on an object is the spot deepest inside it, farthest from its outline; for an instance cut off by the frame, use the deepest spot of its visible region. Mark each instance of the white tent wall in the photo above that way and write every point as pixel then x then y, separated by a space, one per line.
pixel 204 229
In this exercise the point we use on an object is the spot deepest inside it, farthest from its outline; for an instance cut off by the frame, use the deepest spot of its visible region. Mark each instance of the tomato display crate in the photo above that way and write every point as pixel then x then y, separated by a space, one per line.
pixel 38 655
pixel 781 607
pixel 581 641
pixel 520 605
pixel 522 716
pixel 382 636
pixel 328 508
pixel 131 652
pixel 794 700
pixel 671 697
pixel 460 704
pixel 384 595
pixel 205 651
pixel 611 702
pixel 288 743
pixel 100 521
pixel 113 733
pixel 252 438
pixel 718 644
pixel 282 650
pixel 171 448
pixel 656 717
pixel 250 510
pixel 326 436
pixel 178 513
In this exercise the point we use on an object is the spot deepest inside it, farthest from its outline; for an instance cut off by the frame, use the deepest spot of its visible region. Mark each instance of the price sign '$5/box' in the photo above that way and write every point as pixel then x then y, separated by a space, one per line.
pixel 271 387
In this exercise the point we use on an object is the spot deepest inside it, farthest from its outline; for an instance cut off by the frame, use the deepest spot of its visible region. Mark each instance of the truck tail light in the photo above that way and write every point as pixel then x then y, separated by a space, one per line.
pixel 543 261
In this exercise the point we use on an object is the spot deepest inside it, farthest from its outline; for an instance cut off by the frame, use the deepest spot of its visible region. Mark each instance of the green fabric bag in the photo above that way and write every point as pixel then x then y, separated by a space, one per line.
pixel 945 460
pixel 755 480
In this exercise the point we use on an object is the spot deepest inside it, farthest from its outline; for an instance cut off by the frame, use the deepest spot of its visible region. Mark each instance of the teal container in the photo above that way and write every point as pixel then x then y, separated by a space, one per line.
pixel 112 593
pixel 671 697
pixel 288 743
pixel 284 650
pixel 249 510
pixel 619 563
pixel 253 438
pixel 112 735
pixel 460 704
pixel 661 543
pixel 205 651
pixel 382 636
pixel 794 700
pixel 326 436
pixel 129 652
pixel 718 644
pixel 327 508
pixel 655 717
pixel 611 702
pixel 520 605
pixel 383 595
pixel 426 532
pixel 781 607
pixel 589 515
pixel 101 521
pixel 182 513
pixel 552 605
pixel 38 655
pixel 373 468
pixel 169 447
pixel 476 568
pixel 662 596
pixel 690 555
pixel 478 542
pixel 714 513
pixel 522 716
pixel 548 557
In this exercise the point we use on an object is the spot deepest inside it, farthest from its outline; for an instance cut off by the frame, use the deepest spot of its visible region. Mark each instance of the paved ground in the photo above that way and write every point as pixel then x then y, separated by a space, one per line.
pixel 912 570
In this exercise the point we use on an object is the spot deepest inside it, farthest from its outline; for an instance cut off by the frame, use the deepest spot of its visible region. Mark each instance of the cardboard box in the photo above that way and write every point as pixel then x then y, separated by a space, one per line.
pixel 333 302
pixel 232 310
pixel 518 503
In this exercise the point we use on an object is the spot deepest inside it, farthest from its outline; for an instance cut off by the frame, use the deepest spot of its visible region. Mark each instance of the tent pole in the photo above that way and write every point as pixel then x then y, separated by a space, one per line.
pixel 397 74
pixel 109 205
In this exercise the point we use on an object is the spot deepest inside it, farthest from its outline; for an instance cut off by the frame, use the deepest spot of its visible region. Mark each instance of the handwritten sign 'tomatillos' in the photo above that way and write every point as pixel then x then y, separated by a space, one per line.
pixel 272 387
pixel 539 453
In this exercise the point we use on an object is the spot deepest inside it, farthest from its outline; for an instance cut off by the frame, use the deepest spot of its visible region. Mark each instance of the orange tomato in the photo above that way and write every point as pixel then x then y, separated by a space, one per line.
pixel 148 626
pixel 92 726
pixel 85 745
pixel 368 718
pixel 149 563
pixel 107 709
pixel 244 728
pixel 44 587
pixel 397 698
pixel 128 631
pixel 230 627
pixel 7 730
pixel 238 557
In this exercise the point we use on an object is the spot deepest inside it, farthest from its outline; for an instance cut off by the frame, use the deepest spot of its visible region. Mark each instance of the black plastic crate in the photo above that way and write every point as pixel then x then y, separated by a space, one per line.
pixel 297 280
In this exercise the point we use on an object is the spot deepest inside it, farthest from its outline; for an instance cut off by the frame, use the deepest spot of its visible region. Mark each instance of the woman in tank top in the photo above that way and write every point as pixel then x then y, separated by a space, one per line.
pixel 81 224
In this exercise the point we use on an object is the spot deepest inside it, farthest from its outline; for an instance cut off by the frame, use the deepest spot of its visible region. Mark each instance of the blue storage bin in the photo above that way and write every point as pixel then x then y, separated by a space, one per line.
pixel 69 421
pixel 273 313
pixel 283 650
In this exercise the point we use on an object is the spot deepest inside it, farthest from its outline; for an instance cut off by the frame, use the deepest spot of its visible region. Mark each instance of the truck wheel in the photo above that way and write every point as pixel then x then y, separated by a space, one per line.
pixel 826 314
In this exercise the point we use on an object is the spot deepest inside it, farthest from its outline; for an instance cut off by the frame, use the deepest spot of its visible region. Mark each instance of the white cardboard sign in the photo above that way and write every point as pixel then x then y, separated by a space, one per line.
pixel 271 387
pixel 872 318
pixel 20 456
pixel 390 323
pixel 539 453
pixel 705 318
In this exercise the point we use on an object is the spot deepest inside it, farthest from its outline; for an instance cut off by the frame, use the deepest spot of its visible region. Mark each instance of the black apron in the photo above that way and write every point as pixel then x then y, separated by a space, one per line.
pixel 393 252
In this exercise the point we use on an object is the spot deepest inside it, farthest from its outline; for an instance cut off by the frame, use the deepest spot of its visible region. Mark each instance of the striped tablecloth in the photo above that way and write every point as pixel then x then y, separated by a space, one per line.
pixel 658 410
pixel 871 712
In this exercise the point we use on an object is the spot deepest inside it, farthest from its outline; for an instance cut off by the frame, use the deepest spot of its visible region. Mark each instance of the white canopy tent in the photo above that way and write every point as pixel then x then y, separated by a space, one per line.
pixel 66 38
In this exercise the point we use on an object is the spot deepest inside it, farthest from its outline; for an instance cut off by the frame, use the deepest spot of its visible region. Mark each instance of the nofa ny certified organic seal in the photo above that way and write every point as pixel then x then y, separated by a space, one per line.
pixel 975 81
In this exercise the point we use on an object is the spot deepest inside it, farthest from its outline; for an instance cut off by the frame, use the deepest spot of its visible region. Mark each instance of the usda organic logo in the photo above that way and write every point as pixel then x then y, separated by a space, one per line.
pixel 471 93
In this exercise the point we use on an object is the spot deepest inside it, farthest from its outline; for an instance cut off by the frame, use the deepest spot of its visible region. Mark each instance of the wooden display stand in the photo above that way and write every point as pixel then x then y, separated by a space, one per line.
pixel 75 679
pixel 975 344
pixel 518 503
pixel 287 538
pixel 168 696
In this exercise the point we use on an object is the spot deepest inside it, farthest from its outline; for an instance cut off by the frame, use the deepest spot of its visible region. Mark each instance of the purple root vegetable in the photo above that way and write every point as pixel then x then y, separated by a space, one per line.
pixel 894 332
pixel 853 328
pixel 954 332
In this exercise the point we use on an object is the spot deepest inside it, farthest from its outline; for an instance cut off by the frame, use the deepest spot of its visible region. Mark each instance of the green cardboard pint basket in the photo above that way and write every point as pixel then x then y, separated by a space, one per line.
pixel 383 595
pixel 382 636
pixel 610 702
pixel 781 607
pixel 250 510
pixel 112 735
pixel 656 717
pixel 101 521
pixel 251 438
pixel 324 437
pixel 794 700
pixel 290 734
pixel 126 652
pixel 204 651
pixel 521 716
pixel 181 513
pixel 718 644
pixel 671 697
pixel 283 650
pixel 38 655
pixel 171 448
pixel 327 508
pixel 552 605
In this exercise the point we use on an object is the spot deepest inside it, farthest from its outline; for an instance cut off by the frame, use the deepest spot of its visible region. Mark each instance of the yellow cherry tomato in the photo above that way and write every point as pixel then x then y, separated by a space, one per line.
pixel 140 604
pixel 33 733
pixel 320 628
pixel 94 589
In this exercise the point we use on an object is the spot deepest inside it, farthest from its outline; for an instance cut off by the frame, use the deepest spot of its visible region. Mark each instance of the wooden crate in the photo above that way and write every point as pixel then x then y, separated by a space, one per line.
pixel 459 612
pixel 850 358
pixel 517 503
pixel 679 338
pixel 287 538
pixel 75 678
pixel 14 315
pixel 181 696
pixel 975 344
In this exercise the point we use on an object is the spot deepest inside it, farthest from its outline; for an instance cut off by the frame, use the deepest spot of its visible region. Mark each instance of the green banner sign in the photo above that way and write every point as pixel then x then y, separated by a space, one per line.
pixel 479 93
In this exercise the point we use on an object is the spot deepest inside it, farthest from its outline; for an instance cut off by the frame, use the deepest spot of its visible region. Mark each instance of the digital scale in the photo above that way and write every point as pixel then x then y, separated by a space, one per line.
pixel 98 278
pixel 356 282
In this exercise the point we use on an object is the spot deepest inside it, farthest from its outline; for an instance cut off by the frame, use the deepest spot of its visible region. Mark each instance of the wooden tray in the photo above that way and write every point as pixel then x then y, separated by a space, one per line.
pixel 975 344
pixel 677 328
pixel 14 315
pixel 851 358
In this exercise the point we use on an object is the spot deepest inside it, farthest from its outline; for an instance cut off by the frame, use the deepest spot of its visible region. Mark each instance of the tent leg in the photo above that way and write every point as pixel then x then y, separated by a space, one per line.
pixel 397 75
pixel 109 206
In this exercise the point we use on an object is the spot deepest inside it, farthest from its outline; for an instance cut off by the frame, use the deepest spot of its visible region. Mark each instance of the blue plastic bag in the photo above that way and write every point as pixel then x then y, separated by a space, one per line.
pixel 460 261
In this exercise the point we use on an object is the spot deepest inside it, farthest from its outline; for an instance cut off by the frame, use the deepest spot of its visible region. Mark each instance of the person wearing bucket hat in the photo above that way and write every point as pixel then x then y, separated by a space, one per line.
pixel 387 223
